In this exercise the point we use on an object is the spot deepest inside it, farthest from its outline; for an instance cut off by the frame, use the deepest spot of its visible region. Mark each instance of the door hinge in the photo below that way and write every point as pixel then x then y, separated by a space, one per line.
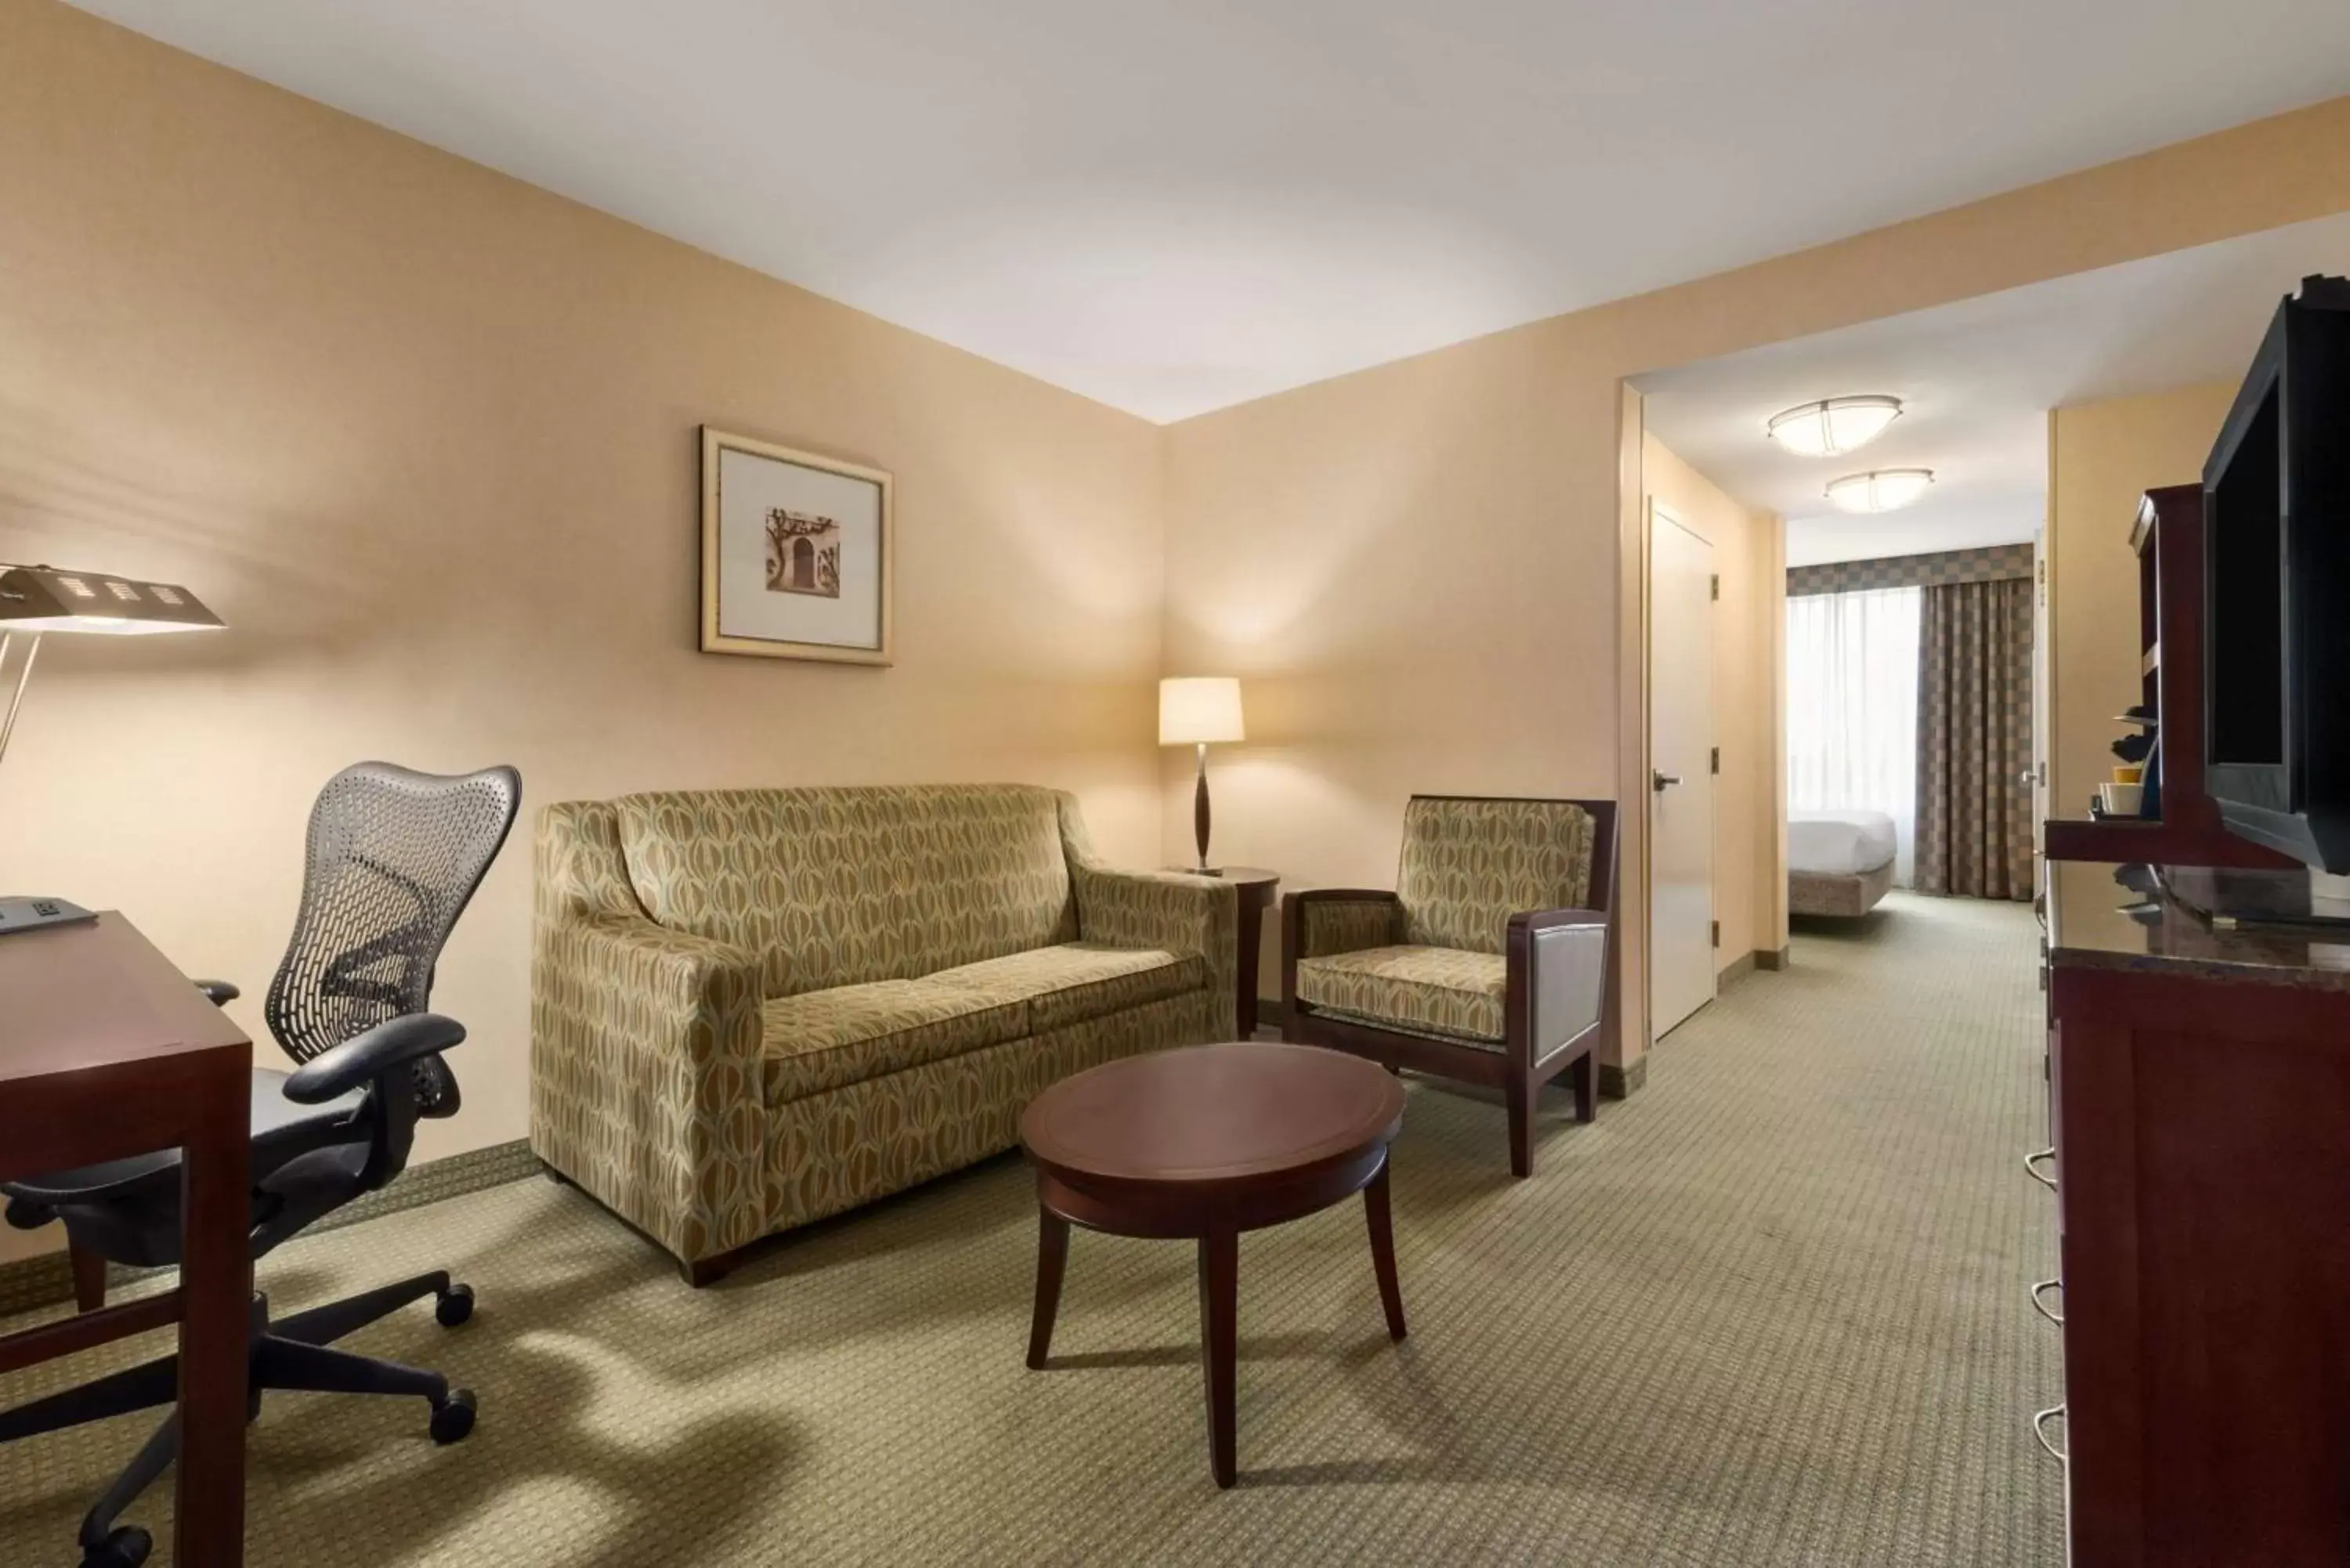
pixel 1717 761
pixel 1717 933
pixel 1713 586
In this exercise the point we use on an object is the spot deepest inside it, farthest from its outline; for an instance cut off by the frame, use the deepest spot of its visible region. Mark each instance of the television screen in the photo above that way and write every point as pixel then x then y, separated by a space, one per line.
pixel 2276 573
pixel 2244 519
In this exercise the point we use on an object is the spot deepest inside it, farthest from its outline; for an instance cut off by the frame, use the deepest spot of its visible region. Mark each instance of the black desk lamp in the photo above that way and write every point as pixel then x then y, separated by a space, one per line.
pixel 38 600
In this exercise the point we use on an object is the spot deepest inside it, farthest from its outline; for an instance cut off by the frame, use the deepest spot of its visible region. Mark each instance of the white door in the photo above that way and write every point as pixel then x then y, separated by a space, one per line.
pixel 1681 762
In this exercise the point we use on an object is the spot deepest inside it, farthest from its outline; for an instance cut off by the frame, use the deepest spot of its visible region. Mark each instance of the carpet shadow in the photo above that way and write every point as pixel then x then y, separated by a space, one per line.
pixel 1271 1347
pixel 1349 1473
pixel 318 1462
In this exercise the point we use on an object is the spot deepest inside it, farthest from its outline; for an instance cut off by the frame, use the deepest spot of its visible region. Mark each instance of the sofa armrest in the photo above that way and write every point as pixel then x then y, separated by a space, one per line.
pixel 645 1076
pixel 1172 910
pixel 1557 979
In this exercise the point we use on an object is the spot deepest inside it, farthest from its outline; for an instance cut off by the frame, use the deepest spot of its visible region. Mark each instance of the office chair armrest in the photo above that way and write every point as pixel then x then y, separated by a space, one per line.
pixel 368 1055
pixel 219 992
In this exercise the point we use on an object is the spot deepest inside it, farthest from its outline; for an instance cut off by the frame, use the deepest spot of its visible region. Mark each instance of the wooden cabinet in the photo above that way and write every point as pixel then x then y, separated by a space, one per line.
pixel 2199 1081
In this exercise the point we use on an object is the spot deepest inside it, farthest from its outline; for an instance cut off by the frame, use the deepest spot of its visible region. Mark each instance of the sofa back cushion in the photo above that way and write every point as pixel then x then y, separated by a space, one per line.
pixel 1470 865
pixel 842 887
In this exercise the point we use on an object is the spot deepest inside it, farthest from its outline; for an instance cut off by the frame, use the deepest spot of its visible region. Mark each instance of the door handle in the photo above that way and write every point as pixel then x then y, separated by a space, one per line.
pixel 1663 782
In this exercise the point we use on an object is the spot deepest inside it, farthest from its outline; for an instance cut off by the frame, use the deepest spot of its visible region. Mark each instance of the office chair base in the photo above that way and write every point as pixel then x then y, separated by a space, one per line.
pixel 126 1547
pixel 290 1354
pixel 453 1418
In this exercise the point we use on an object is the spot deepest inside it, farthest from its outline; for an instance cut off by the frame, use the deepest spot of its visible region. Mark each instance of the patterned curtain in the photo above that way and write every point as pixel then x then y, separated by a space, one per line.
pixel 1974 739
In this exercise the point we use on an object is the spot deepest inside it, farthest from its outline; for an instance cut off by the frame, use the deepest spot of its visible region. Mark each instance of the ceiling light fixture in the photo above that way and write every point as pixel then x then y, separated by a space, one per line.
pixel 1832 425
pixel 1879 489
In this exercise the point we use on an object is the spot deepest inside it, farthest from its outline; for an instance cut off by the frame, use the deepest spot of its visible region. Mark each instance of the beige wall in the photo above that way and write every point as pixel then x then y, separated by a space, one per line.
pixel 2101 458
pixel 1746 636
pixel 1390 617
pixel 1429 573
pixel 425 437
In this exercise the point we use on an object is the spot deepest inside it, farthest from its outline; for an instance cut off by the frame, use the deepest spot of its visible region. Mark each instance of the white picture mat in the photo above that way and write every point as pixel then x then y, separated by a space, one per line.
pixel 750 484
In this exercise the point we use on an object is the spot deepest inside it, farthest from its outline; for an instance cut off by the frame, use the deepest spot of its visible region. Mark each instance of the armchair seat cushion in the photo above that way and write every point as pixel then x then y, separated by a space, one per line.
pixel 1074 982
pixel 821 1039
pixel 1450 993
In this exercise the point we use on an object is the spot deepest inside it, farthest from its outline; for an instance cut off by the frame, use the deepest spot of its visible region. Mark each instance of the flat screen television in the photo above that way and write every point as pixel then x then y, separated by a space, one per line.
pixel 2277 588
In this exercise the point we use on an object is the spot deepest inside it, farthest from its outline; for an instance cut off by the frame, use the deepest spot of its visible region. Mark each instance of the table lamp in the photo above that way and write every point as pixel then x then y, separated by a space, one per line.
pixel 36 600
pixel 1195 710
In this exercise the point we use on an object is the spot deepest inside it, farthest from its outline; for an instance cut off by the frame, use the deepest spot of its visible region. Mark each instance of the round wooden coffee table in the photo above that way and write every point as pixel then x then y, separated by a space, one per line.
pixel 1206 1142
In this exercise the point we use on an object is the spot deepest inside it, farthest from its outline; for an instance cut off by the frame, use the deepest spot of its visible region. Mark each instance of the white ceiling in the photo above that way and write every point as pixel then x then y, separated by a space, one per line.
pixel 1172 205
pixel 1976 380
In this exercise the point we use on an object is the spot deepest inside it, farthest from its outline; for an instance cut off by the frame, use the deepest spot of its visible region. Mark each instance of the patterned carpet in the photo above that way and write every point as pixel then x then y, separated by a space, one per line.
pixel 1770 1311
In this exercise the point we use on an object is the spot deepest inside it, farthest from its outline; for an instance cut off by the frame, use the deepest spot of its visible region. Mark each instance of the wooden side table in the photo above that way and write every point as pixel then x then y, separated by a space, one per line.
pixel 1256 887
pixel 1202 1143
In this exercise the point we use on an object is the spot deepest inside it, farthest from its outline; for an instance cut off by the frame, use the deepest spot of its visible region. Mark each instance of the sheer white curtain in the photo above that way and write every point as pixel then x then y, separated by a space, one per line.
pixel 1852 707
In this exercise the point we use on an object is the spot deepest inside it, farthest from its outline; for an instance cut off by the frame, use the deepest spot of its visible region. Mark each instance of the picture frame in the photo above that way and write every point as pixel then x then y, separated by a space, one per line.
pixel 798 554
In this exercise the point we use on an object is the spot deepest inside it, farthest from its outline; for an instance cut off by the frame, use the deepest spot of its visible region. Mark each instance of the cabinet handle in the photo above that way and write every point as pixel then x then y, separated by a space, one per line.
pixel 2039 1290
pixel 2032 1166
pixel 2040 1419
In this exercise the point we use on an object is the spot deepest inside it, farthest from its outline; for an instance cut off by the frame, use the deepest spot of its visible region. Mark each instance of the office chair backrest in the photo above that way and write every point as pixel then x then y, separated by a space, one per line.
pixel 393 858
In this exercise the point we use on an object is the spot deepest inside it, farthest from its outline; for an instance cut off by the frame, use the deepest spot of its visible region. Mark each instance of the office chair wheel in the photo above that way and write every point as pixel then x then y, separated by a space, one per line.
pixel 453 1419
pixel 126 1547
pixel 455 1305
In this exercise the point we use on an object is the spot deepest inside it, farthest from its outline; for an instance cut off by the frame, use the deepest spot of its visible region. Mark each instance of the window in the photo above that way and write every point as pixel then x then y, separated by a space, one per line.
pixel 1852 708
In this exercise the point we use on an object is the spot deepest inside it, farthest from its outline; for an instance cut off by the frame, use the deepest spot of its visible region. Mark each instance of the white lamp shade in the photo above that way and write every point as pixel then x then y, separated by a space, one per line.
pixel 1199 707
pixel 1884 490
pixel 1833 425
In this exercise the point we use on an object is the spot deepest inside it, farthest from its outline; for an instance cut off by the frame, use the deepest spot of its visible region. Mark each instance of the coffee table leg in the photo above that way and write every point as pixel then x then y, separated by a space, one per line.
pixel 1220 1278
pixel 1052 1260
pixel 1375 1209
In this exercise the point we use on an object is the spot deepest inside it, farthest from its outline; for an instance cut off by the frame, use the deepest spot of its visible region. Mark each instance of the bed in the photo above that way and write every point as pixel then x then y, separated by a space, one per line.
pixel 1839 862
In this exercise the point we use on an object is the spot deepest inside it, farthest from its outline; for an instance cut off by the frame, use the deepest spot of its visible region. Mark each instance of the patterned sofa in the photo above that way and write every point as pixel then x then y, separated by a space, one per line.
pixel 751 1009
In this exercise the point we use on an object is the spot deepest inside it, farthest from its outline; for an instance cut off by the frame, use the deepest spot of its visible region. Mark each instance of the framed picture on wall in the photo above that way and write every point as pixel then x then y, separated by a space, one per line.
pixel 798 554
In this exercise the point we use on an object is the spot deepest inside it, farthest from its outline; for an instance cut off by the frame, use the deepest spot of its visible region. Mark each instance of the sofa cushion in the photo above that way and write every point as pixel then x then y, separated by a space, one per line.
pixel 841 887
pixel 1469 865
pixel 1444 992
pixel 1077 981
pixel 820 1040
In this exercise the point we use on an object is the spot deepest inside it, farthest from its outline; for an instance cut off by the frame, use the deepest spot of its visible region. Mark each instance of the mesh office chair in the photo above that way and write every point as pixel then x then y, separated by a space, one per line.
pixel 393 857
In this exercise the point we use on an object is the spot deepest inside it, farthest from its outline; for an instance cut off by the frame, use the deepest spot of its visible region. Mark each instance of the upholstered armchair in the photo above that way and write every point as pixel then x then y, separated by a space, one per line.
pixel 1488 964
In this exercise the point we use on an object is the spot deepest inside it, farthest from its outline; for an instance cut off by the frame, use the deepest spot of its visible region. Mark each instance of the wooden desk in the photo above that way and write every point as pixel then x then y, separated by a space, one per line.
pixel 108 1051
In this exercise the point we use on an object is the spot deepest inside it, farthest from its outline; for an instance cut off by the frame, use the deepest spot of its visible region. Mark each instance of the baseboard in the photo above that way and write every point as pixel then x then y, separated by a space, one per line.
pixel 1618 1082
pixel 1769 958
pixel 30 1283
pixel 1736 968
